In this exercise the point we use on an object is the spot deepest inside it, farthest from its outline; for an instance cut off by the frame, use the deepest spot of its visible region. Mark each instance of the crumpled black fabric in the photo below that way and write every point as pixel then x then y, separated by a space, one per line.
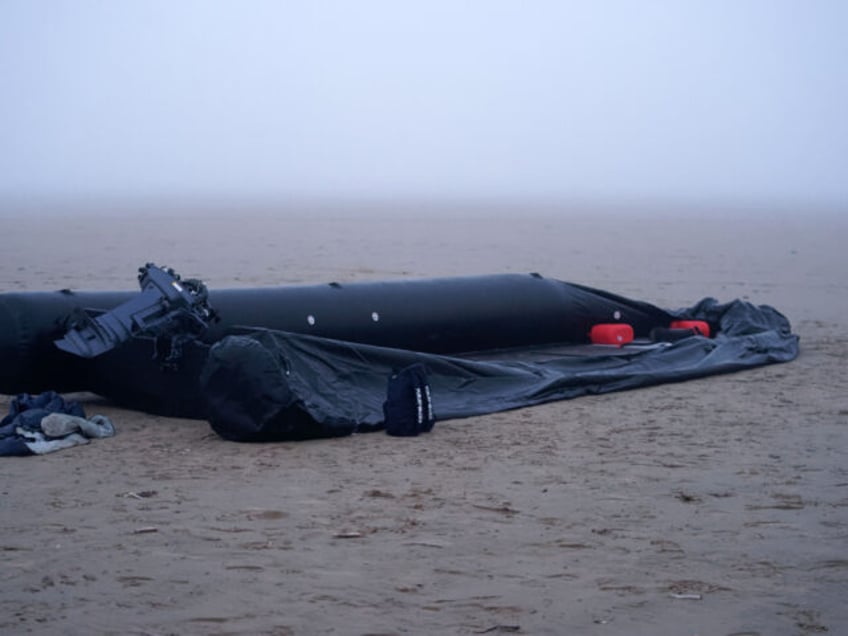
pixel 272 385
pixel 248 399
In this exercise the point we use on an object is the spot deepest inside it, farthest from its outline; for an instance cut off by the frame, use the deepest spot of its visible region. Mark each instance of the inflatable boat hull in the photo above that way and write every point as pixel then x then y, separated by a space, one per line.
pixel 445 316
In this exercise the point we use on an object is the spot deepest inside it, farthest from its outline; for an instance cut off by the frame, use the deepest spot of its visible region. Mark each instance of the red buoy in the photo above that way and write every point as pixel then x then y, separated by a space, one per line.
pixel 611 334
pixel 698 326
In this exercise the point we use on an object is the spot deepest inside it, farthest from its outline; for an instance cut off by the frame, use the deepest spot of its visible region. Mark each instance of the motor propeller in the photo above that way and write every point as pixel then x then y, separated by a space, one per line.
pixel 168 309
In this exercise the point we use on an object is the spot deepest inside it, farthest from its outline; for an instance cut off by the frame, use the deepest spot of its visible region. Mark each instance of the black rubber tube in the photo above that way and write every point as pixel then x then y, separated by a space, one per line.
pixel 450 315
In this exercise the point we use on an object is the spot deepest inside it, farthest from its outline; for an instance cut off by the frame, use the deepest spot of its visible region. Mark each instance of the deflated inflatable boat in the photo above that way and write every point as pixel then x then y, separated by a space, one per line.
pixel 307 361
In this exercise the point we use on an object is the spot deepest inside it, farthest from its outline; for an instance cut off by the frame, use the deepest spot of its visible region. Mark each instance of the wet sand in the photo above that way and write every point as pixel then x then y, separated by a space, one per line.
pixel 718 506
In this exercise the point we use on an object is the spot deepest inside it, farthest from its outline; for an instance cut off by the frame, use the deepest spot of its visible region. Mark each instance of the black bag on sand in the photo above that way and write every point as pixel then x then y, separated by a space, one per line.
pixel 408 408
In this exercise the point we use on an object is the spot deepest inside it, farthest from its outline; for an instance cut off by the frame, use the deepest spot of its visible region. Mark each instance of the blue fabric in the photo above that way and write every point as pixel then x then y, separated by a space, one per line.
pixel 26 412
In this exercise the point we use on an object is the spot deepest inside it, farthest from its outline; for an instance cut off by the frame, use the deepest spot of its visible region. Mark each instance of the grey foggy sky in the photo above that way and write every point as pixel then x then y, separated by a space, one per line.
pixel 712 100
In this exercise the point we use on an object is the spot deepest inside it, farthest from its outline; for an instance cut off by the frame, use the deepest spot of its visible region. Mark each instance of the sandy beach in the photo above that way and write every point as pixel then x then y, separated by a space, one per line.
pixel 712 507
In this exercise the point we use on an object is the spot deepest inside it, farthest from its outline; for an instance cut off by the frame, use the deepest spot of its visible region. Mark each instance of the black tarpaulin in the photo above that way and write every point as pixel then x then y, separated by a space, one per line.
pixel 273 385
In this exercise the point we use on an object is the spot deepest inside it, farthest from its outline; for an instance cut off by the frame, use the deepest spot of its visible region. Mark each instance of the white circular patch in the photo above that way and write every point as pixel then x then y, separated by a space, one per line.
pixel 617 315
pixel 310 319
pixel 375 316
